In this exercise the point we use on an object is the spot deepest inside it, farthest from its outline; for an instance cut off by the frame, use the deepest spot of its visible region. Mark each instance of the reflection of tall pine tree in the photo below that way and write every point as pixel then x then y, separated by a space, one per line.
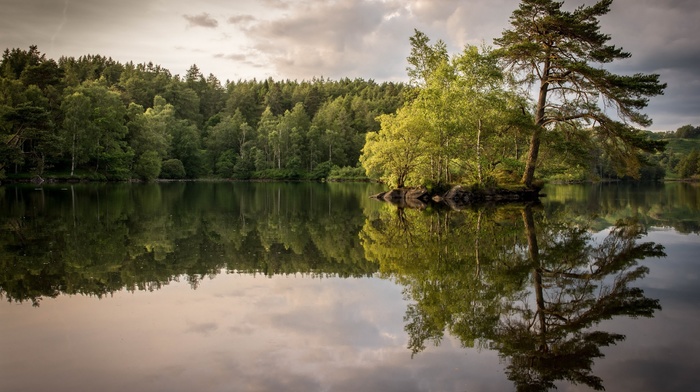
pixel 576 286
pixel 530 286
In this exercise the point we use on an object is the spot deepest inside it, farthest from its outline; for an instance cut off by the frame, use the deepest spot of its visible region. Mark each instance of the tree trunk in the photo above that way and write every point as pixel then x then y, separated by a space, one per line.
pixel 478 152
pixel 532 154
pixel 534 255
pixel 72 161
pixel 534 150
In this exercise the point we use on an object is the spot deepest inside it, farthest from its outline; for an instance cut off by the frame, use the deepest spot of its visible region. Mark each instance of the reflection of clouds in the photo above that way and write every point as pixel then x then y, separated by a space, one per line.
pixel 244 329
pixel 660 354
pixel 679 271
pixel 202 328
pixel 311 335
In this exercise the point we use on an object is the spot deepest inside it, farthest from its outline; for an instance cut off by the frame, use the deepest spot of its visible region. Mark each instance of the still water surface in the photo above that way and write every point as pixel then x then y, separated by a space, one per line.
pixel 315 287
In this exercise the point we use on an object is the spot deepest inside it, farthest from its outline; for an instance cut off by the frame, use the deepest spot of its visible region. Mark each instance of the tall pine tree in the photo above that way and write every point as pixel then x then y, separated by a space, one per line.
pixel 560 56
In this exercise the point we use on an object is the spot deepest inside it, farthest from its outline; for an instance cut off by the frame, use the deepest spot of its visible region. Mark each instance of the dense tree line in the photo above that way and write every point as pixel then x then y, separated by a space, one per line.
pixel 97 118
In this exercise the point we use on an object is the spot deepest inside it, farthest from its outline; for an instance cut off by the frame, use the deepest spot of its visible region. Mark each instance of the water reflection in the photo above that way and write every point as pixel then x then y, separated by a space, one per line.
pixel 531 283
pixel 675 205
pixel 531 286
pixel 96 240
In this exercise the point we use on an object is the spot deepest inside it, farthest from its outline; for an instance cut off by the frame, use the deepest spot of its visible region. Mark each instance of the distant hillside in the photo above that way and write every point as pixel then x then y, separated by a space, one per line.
pixel 679 147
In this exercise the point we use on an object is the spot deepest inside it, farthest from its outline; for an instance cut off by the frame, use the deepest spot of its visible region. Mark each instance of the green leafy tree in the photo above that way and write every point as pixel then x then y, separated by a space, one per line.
pixel 464 124
pixel 244 96
pixel 558 53
pixel 687 132
pixel 231 133
pixel 76 111
pixel 292 127
pixel 340 141
pixel 689 165
pixel 424 58
pixel 148 136
pixel 268 140
pixel 94 129
pixel 395 153
pixel 26 132
pixel 148 165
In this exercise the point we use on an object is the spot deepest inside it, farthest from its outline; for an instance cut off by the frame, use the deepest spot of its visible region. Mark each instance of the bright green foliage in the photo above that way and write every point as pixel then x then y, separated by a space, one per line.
pixel 465 124
pixel 394 153
pixel 339 141
pixel 92 115
pixel 558 53
pixel 424 58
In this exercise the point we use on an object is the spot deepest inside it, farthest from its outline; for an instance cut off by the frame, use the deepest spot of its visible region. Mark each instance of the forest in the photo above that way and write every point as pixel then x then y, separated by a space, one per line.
pixel 536 107
pixel 94 118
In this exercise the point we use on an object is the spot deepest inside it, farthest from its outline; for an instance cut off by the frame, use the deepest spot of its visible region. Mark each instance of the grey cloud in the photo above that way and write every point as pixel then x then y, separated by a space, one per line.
pixel 234 57
pixel 661 37
pixel 279 4
pixel 201 20
pixel 241 19
pixel 239 58
pixel 332 39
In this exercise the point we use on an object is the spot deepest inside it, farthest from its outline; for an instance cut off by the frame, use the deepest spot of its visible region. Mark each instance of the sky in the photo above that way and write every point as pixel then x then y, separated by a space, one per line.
pixel 369 39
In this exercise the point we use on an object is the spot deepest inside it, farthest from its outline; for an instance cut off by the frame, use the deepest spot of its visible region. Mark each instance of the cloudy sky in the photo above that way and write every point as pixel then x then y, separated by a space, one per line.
pixel 300 39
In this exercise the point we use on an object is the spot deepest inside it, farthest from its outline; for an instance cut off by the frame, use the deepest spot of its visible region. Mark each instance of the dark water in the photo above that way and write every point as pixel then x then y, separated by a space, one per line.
pixel 315 287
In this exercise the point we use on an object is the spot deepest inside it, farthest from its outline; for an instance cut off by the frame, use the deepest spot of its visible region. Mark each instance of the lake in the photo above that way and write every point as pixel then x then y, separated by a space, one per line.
pixel 315 287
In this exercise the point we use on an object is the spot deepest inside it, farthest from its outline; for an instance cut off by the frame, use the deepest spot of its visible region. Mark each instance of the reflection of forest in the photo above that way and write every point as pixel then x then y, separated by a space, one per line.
pixel 530 285
pixel 99 239
pixel 674 205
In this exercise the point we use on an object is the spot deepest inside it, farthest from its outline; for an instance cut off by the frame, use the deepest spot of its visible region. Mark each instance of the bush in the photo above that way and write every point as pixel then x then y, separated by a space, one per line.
pixel 347 173
pixel 172 169
pixel 148 166
pixel 277 174
pixel 321 171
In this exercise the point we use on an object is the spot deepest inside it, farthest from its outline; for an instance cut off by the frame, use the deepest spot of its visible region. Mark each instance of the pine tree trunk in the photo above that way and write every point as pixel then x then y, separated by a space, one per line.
pixel 534 150
pixel 532 154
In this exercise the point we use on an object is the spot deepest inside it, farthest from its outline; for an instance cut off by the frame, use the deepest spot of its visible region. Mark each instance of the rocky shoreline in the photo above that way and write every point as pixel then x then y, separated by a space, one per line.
pixel 457 196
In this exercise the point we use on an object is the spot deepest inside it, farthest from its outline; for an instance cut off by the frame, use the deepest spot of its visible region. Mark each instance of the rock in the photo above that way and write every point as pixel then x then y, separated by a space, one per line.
pixel 421 194
pixel 457 197
pixel 378 196
pixel 456 193
pixel 395 195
